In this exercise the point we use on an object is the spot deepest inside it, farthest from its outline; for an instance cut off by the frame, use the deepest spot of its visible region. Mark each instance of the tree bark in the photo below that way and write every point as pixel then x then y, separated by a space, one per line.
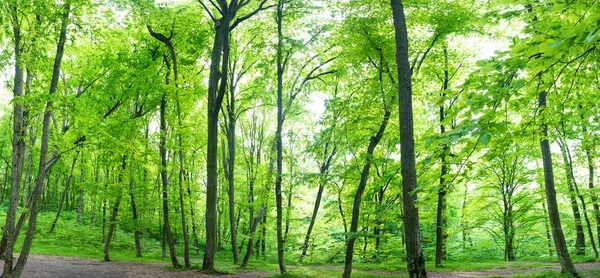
pixel 278 195
pixel 580 240
pixel 255 223
pixel 571 175
pixel 165 183
pixel 18 150
pixel 440 235
pixel 415 259
pixel 364 175
pixel 221 35
pixel 322 181
pixel 64 193
pixel 557 232
pixel 136 230
pixel 44 165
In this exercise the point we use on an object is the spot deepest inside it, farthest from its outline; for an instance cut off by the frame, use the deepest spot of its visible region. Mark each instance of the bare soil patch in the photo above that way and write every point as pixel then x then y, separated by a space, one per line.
pixel 42 266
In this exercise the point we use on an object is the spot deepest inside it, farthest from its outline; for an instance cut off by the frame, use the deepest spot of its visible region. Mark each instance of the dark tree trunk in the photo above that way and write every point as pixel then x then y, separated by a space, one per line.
pixel 440 235
pixel 278 195
pixel 253 226
pixel 137 232
pixel 580 240
pixel 231 174
pixel 169 44
pixel 415 259
pixel 571 176
pixel 364 175
pixel 44 166
pixel 165 183
pixel 64 193
pixel 221 35
pixel 18 149
pixel 322 181
pixel 557 233
pixel 590 161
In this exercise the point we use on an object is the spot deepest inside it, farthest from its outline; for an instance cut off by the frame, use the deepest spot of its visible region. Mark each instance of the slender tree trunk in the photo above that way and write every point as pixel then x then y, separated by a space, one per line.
pixel 548 236
pixel 440 235
pixel 415 259
pixel 44 166
pixel 590 162
pixel 323 179
pixel 364 175
pixel 64 193
pixel 253 226
pixel 557 233
pixel 231 175
pixel 18 149
pixel 112 228
pixel 580 242
pixel 165 182
pixel 136 230
pixel 278 195
pixel 576 187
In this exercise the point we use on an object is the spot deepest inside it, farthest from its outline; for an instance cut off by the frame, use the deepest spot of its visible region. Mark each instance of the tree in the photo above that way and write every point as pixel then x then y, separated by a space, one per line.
pixel 415 259
pixel 216 92
pixel 557 233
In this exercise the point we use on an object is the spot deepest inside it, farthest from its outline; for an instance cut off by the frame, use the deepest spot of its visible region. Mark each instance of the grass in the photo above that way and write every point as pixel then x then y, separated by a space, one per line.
pixel 85 242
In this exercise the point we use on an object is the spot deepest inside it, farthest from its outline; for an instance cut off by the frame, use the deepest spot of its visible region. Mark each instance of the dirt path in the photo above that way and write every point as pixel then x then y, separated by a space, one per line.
pixel 585 269
pixel 39 266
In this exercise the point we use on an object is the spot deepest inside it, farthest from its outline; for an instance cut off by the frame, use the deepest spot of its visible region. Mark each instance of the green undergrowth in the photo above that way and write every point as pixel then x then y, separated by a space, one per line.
pixel 85 241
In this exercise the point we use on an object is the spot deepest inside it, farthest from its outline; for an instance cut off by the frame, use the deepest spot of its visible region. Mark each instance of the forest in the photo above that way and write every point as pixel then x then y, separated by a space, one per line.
pixel 297 138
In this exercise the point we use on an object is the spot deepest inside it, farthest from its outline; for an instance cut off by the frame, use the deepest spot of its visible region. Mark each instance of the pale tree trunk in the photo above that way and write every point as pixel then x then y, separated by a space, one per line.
pixel 415 259
pixel 557 233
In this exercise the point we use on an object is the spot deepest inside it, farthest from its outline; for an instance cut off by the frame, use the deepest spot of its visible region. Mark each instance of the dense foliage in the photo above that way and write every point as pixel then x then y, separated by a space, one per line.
pixel 108 104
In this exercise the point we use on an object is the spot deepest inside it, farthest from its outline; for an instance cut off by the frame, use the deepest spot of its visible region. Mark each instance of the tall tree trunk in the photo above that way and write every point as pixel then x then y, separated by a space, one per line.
pixel 322 181
pixel 64 193
pixel 580 242
pixel 415 259
pixel 576 187
pixel 169 44
pixel 221 37
pixel 278 141
pixel 18 149
pixel 440 235
pixel 288 210
pixel 44 166
pixel 104 204
pixel 590 162
pixel 230 173
pixel 165 183
pixel 557 233
pixel 136 230
pixel 364 175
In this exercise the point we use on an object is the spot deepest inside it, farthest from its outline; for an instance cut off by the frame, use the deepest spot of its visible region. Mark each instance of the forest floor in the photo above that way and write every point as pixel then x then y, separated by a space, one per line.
pixel 56 266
